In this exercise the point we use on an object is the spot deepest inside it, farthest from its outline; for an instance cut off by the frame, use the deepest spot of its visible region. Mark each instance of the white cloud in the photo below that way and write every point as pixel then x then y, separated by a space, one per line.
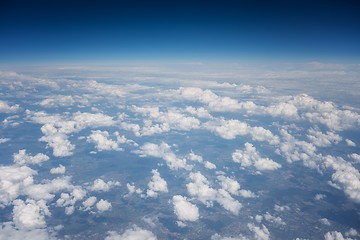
pixel 230 129
pixel 352 233
pixel 21 158
pixel 29 214
pixel 325 221
pixel 335 236
pixel 55 101
pixel 156 185
pixel 88 203
pixel 6 108
pixel 101 185
pixel 58 170
pixel 323 140
pixel 279 208
pixel 319 197
pixel 132 189
pixel 233 187
pixel 9 231
pixel 270 218
pixel 102 141
pixel 219 237
pixel 134 233
pixel 209 165
pixel 350 143
pixel 184 210
pixel 103 205
pixel 163 151
pixel 4 140
pixel 13 180
pixel 250 157
pixel 260 233
pixel 200 188
pixel 356 157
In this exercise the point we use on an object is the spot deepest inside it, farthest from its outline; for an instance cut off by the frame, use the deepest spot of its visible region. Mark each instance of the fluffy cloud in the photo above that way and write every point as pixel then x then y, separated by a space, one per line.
pixel 230 129
pixel 60 100
pixel 335 236
pixel 101 185
pixel 270 218
pixel 163 151
pixel 156 185
pixel 260 233
pixel 219 237
pixel 21 158
pixel 184 210
pixel 6 108
pixel 134 233
pixel 4 140
pixel 9 231
pixel 323 140
pixel 250 157
pixel 13 180
pixel 102 141
pixel 58 170
pixel 88 203
pixel 29 214
pixel 103 205
pixel 200 188
pixel 233 187
pixel 350 143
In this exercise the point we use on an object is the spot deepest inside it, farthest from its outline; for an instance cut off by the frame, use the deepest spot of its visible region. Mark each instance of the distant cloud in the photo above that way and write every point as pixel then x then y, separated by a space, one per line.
pixel 156 185
pixel 135 233
pixel 184 210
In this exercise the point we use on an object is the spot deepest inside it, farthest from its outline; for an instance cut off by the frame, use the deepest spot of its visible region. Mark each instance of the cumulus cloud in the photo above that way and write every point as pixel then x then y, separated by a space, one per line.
pixel 4 140
pixel 350 143
pixel 55 101
pixel 156 185
pixel 21 158
pixel 101 185
pixel 279 208
pixel 184 210
pixel 9 231
pixel 233 187
pixel 200 188
pixel 219 237
pixel 230 129
pixel 325 221
pixel 88 203
pixel 103 205
pixel 260 233
pixel 323 139
pixel 319 197
pixel 13 181
pixel 250 157
pixel 30 214
pixel 335 236
pixel 163 151
pixel 135 233
pixel 58 170
pixel 356 157
pixel 102 141
pixel 6 108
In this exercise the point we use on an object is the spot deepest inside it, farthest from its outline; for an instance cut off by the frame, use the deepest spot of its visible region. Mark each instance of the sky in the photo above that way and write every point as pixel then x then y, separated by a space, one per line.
pixel 106 31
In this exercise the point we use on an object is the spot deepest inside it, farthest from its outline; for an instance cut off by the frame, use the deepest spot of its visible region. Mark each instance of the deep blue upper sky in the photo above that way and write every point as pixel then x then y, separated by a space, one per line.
pixel 97 31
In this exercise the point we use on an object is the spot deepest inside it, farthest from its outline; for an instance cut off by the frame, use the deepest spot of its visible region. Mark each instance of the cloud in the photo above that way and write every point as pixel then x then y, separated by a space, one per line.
pixel 21 158
pixel 200 188
pixel 156 185
pixel 30 214
pixel 184 210
pixel 4 140
pixel 9 231
pixel 335 236
pixel 325 221
pixel 103 205
pixel 219 237
pixel 233 187
pixel 57 101
pixel 323 140
pixel 100 185
pixel 356 157
pixel 260 233
pixel 279 208
pixel 88 203
pixel 319 197
pixel 6 108
pixel 230 129
pixel 250 157
pixel 134 233
pixel 58 170
pixel 350 143
pixel 102 141
pixel 13 180
pixel 163 151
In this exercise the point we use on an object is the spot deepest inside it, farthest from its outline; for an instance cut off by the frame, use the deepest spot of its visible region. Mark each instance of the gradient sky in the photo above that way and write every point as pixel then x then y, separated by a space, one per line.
pixel 96 31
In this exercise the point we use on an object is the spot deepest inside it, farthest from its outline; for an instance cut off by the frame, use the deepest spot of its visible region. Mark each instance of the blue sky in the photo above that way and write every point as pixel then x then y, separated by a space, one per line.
pixel 95 31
